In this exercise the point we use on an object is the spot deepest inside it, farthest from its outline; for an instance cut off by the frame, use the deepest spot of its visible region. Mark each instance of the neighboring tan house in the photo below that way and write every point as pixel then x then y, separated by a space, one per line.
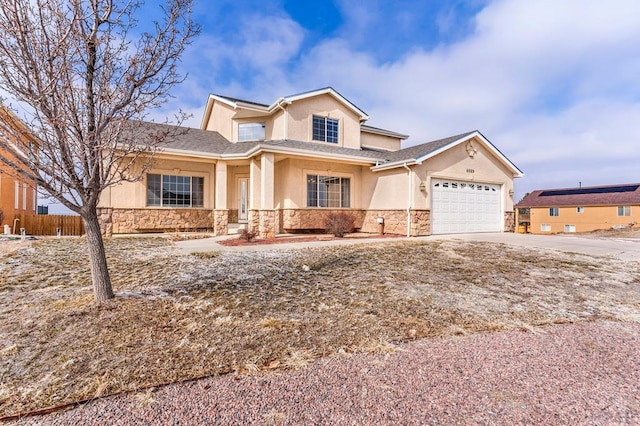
pixel 17 194
pixel 582 209
pixel 283 167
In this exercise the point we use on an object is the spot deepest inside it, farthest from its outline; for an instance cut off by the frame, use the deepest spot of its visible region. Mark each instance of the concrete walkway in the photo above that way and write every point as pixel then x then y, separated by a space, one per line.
pixel 625 249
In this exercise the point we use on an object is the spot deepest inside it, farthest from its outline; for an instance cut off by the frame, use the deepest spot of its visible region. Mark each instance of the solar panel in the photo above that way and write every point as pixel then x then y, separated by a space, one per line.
pixel 599 190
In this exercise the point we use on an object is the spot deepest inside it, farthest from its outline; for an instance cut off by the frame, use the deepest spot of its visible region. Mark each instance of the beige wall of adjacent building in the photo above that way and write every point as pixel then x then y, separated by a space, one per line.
pixel 592 218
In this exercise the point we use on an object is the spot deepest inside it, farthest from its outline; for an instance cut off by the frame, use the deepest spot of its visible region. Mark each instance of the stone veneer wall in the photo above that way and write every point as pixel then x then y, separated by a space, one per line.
pixel 420 223
pixel 105 215
pixel 509 221
pixel 313 219
pixel 221 222
pixel 123 221
pixel 395 222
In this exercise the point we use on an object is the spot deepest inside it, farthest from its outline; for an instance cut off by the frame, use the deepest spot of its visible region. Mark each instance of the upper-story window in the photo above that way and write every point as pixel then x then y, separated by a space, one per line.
pixel 250 131
pixel 325 129
pixel 554 211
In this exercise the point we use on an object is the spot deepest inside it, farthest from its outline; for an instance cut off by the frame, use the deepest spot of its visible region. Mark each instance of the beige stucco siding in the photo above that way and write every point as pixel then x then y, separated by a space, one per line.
pixel 134 194
pixel 591 219
pixel 293 176
pixel 300 115
pixel 455 163
pixel 221 120
pixel 372 140
pixel 387 189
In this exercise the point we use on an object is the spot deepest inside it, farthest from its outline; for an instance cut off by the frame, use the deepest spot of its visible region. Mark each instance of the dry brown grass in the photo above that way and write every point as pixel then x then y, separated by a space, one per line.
pixel 178 317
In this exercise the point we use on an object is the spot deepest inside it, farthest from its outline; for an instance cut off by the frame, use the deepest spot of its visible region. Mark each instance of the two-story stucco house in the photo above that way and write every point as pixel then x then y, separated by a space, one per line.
pixel 282 167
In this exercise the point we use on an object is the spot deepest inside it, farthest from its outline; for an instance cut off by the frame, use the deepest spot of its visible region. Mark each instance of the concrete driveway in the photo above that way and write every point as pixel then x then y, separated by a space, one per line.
pixel 620 248
pixel 626 249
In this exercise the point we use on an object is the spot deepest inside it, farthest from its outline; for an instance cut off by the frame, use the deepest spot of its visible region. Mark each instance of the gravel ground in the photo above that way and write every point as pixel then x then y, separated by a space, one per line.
pixel 560 374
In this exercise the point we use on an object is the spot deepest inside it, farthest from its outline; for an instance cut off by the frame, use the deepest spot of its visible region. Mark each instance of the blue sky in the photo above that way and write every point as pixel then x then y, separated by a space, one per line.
pixel 554 84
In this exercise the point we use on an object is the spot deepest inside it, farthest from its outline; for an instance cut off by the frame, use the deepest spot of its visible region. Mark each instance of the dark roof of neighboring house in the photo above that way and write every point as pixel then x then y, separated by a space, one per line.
pixel 607 195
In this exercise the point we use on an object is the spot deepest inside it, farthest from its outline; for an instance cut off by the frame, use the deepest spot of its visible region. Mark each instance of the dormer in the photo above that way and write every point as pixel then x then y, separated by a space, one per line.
pixel 321 116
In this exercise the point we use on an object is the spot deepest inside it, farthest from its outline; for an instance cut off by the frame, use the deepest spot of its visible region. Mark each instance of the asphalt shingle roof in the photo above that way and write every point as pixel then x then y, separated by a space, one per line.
pixel 211 142
pixel 607 195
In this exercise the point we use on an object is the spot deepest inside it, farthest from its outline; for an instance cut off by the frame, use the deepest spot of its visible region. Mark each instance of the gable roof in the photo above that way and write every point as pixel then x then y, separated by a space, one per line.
pixel 607 195
pixel 211 144
pixel 324 91
pixel 419 153
pixel 236 103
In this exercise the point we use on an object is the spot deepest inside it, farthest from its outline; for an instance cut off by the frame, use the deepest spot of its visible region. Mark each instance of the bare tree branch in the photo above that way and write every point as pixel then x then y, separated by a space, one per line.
pixel 87 81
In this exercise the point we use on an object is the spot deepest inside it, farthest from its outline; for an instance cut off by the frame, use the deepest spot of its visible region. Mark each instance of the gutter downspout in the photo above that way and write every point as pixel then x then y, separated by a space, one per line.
pixel 409 199
pixel 286 116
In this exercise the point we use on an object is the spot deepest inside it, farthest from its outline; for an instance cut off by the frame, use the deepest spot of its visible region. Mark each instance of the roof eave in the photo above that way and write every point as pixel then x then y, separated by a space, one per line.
pixel 396 164
pixel 516 172
pixel 383 132
pixel 258 149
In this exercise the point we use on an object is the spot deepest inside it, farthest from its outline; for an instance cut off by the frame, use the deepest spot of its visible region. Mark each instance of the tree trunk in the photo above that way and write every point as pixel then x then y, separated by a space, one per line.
pixel 99 273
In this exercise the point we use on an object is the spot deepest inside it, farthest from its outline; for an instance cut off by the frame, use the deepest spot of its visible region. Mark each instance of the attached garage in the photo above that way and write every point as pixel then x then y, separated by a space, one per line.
pixel 465 207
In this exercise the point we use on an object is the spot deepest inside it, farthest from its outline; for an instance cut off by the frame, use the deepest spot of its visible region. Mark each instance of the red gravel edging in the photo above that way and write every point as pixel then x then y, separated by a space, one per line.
pixel 563 374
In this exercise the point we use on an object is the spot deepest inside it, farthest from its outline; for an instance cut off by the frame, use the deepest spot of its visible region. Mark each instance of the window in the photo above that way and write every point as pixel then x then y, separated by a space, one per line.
pixel 624 210
pixel 545 227
pixel 325 129
pixel 175 191
pixel 328 191
pixel 17 196
pixel 554 211
pixel 250 131
pixel 569 228
pixel 580 209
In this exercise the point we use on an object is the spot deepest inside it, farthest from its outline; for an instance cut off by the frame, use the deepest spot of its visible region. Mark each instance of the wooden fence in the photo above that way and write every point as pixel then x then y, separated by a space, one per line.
pixel 48 224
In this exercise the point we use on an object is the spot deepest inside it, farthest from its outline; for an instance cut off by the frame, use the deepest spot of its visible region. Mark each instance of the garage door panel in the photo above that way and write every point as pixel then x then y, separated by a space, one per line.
pixel 463 207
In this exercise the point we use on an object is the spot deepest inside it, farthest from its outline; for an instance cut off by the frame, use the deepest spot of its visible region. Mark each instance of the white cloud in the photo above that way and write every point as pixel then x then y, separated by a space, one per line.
pixel 553 84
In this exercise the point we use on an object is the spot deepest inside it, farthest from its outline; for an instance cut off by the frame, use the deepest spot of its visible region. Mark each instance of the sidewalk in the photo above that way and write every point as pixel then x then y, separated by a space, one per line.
pixel 213 243
pixel 624 249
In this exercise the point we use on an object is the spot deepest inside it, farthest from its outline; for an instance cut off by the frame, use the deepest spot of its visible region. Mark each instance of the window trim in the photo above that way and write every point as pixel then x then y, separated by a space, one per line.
pixel 261 124
pixel 341 176
pixel 191 191
pixel 569 229
pixel 553 210
pixel 624 211
pixel 545 227
pixel 325 137
pixel 580 209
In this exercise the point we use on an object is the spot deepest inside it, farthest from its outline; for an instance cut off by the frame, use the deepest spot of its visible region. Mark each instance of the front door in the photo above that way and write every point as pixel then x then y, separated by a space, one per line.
pixel 243 199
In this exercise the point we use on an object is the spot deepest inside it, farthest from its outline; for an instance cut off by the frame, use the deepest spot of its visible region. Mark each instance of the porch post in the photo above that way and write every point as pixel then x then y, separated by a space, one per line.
pixel 254 194
pixel 266 226
pixel 221 210
pixel 266 180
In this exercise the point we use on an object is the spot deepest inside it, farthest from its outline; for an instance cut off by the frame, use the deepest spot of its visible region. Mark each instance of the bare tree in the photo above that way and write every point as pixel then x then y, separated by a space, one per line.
pixel 85 76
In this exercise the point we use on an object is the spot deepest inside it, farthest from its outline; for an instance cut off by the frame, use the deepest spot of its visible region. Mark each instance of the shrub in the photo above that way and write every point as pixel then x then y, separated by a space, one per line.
pixel 247 235
pixel 339 224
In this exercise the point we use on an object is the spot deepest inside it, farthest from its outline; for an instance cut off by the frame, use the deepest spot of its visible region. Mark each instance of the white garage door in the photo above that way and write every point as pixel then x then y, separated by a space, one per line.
pixel 462 207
